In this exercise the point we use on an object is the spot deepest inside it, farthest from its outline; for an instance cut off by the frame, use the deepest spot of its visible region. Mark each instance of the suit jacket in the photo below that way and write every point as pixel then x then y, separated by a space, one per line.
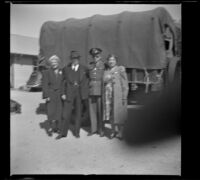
pixel 51 83
pixel 68 88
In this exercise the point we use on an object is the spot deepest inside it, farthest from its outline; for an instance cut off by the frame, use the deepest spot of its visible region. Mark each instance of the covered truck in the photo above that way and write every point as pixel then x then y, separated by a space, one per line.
pixel 144 42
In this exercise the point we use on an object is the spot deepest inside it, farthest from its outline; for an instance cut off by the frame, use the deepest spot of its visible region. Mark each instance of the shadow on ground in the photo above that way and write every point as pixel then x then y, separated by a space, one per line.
pixel 157 120
pixel 85 121
pixel 85 125
pixel 107 131
pixel 41 109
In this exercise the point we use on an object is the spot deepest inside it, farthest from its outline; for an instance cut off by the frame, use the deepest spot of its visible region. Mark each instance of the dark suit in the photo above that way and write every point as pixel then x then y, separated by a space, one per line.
pixel 52 86
pixel 76 89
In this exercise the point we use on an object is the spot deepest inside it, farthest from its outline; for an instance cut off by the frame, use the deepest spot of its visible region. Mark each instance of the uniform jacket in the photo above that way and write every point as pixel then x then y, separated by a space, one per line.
pixel 96 71
pixel 68 88
pixel 51 83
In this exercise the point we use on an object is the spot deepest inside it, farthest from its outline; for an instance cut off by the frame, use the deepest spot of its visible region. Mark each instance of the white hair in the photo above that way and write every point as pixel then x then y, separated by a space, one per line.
pixel 54 57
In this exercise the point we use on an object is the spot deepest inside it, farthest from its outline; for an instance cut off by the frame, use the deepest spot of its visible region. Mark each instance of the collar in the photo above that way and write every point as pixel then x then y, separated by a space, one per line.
pixel 75 67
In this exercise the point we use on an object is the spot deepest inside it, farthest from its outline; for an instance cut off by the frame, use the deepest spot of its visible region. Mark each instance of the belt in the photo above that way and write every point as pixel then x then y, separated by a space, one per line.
pixel 95 80
pixel 55 89
pixel 75 83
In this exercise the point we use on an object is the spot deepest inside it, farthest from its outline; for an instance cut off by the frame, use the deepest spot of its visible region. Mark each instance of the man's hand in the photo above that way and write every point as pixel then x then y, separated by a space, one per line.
pixel 63 97
pixel 47 99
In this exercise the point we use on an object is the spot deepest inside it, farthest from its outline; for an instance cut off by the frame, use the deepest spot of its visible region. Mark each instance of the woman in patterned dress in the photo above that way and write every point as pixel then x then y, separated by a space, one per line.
pixel 115 96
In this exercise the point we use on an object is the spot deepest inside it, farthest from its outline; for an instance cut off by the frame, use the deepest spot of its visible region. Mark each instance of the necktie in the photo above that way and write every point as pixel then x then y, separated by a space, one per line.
pixel 73 67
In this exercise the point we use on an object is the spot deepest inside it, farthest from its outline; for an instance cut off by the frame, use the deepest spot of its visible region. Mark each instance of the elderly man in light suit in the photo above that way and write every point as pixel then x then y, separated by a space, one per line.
pixel 51 86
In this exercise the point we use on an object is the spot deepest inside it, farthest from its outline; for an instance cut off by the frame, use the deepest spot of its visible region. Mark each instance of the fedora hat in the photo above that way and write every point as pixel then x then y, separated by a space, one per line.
pixel 74 55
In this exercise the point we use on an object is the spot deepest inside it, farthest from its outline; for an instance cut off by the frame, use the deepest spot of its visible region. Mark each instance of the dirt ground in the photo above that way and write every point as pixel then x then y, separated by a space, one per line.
pixel 34 152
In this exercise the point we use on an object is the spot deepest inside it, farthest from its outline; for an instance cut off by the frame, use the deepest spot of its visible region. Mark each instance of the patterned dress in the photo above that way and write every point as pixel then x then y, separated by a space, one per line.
pixel 115 93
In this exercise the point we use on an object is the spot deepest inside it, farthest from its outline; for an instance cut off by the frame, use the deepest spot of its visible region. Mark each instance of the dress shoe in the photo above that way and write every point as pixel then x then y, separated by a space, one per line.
pixel 58 131
pixel 112 135
pixel 49 132
pixel 101 134
pixel 42 125
pixel 91 133
pixel 55 130
pixel 77 135
pixel 119 136
pixel 60 136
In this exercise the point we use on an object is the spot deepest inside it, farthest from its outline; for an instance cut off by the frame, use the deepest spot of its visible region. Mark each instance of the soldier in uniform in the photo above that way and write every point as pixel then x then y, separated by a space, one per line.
pixel 96 71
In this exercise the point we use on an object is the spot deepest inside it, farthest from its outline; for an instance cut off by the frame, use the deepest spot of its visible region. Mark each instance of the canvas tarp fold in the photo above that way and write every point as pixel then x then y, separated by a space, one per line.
pixel 135 37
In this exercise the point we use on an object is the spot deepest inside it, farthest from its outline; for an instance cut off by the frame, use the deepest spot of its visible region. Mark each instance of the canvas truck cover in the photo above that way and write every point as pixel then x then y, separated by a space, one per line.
pixel 135 37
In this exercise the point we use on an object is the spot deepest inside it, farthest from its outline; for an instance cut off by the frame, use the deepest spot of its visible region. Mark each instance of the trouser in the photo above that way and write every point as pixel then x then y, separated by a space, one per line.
pixel 53 124
pixel 95 110
pixel 117 127
pixel 67 113
pixel 85 111
pixel 54 110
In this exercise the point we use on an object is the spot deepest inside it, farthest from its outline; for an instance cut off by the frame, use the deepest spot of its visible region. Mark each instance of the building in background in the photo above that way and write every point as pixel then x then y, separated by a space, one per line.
pixel 23 59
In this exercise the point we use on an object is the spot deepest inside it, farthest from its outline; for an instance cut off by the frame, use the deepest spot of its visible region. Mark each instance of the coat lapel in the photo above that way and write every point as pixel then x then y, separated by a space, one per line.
pixel 55 78
pixel 81 72
pixel 67 72
pixel 52 76
pixel 59 76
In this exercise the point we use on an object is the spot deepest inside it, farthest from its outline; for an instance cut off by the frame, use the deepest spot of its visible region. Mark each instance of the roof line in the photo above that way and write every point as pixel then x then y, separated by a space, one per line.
pixel 24 36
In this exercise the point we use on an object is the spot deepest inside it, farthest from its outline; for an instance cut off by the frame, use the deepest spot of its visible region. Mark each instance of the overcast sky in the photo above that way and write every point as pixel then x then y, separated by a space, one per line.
pixel 27 19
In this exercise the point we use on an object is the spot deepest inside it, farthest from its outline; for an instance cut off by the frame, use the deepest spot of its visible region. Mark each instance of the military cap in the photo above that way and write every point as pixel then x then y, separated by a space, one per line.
pixel 74 55
pixel 95 51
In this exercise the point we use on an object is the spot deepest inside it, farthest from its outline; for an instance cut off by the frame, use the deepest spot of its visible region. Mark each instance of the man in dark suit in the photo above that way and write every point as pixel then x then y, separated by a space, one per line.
pixel 75 90
pixel 52 85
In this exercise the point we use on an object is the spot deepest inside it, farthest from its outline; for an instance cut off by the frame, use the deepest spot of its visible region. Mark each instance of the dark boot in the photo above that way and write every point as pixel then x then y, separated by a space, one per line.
pixel 77 135
pixel 101 129
pixel 91 133
pixel 120 133
pixel 101 133
pixel 60 136
pixel 112 135
pixel 49 132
